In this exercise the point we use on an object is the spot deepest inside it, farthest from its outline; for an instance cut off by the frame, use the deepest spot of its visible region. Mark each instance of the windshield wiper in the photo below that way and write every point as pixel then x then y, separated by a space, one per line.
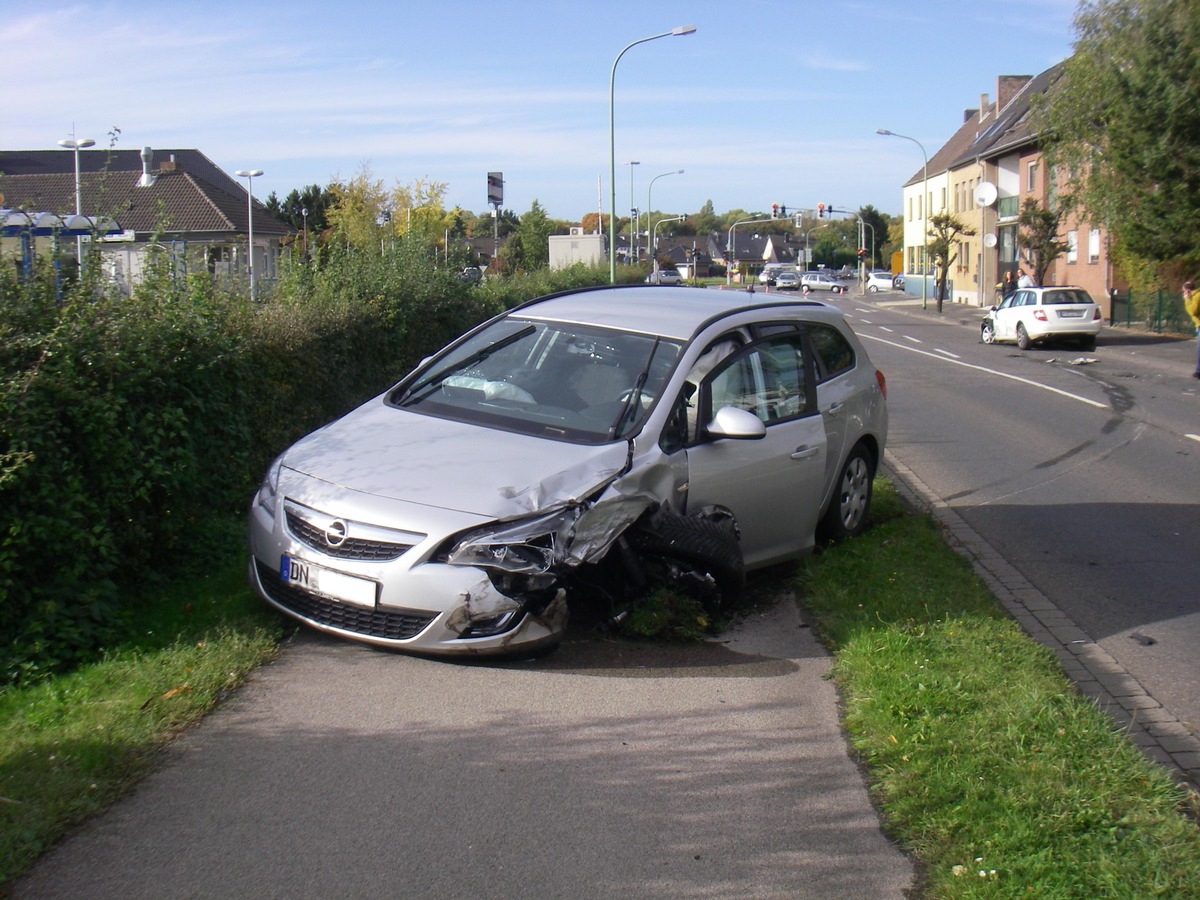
pixel 434 381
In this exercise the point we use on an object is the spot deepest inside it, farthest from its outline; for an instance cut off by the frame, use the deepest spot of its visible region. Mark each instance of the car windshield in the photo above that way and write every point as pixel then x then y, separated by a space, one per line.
pixel 568 382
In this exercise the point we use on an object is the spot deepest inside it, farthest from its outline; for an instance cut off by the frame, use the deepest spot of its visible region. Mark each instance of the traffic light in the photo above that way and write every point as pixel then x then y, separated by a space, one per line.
pixel 820 210
pixel 774 210
pixel 862 253
pixel 782 211
pixel 495 188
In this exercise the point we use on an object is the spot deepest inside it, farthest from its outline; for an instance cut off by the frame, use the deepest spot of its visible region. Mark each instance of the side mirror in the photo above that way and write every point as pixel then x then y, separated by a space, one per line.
pixel 736 424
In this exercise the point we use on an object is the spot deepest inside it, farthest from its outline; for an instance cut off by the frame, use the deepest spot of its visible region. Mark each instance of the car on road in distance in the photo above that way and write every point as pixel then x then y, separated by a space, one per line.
pixel 1035 315
pixel 880 281
pixel 820 281
pixel 787 281
pixel 584 448
pixel 665 276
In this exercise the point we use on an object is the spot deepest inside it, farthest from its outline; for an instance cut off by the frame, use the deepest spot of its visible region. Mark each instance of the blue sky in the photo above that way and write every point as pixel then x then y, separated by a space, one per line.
pixel 770 101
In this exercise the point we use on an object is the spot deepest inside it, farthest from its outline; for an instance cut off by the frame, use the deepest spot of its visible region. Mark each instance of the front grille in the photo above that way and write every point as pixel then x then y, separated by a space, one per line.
pixel 351 548
pixel 377 623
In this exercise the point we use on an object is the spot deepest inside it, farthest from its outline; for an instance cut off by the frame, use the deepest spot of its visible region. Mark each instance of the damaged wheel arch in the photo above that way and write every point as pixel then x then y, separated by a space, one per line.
pixel 697 554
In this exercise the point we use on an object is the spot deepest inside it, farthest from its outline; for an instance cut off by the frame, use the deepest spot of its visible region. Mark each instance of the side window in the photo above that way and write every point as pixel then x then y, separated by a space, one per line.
pixel 767 379
pixel 834 353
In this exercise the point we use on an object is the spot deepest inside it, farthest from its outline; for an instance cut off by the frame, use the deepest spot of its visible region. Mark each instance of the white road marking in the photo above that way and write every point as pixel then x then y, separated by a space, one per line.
pixel 948 353
pixel 954 362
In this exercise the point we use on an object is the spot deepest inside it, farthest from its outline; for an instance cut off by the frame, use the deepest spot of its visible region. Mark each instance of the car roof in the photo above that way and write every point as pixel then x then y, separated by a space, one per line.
pixel 673 312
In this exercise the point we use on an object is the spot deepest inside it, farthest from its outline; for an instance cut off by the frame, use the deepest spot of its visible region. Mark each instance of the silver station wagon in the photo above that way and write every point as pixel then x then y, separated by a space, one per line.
pixel 583 448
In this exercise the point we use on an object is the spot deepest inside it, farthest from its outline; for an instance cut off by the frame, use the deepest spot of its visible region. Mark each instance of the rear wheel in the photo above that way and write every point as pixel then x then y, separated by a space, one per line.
pixel 847 513
pixel 987 331
pixel 1088 344
pixel 1023 337
pixel 872 290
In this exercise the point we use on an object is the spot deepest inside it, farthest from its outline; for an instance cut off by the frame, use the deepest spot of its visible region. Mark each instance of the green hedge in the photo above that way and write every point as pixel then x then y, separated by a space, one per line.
pixel 132 427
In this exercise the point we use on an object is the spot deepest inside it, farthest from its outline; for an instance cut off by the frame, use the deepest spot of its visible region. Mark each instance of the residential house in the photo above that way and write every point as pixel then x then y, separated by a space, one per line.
pixel 982 175
pixel 172 202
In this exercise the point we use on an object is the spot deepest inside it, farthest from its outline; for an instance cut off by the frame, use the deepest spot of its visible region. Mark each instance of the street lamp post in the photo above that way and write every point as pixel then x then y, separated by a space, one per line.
pixel 634 218
pixel 654 278
pixel 250 175
pixel 651 247
pixel 806 251
pixel 924 207
pixel 78 144
pixel 612 145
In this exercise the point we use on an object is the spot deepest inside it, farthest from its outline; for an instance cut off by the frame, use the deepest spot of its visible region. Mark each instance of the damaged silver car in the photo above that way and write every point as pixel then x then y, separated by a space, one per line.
pixel 583 448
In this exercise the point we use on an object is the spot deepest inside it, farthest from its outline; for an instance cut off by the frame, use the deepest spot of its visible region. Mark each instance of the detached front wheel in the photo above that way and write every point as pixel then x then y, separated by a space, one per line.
pixel 847 513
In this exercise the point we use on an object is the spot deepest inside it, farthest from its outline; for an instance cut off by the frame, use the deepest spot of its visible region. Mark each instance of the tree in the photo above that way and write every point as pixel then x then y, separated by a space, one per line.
pixel 534 231
pixel 359 209
pixel 878 223
pixel 706 220
pixel 1038 235
pixel 314 198
pixel 941 244
pixel 1124 122
pixel 594 223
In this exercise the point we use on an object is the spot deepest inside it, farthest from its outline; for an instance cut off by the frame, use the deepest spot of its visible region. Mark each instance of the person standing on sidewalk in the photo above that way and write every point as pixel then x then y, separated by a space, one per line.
pixel 1191 302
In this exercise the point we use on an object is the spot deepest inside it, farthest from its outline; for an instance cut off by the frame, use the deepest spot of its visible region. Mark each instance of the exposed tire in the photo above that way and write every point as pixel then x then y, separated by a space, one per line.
pixel 699 556
pixel 847 513
pixel 987 332
pixel 1023 340
pixel 872 290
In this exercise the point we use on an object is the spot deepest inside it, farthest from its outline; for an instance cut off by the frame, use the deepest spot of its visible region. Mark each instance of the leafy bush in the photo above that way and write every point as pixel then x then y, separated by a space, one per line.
pixel 128 424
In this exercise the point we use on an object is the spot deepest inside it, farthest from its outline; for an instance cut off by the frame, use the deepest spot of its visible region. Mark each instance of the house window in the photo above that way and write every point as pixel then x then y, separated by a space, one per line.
pixel 1072 247
pixel 1094 245
pixel 1031 186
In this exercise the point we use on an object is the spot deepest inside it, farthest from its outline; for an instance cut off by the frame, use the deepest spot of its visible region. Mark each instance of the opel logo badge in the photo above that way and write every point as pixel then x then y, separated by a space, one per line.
pixel 335 533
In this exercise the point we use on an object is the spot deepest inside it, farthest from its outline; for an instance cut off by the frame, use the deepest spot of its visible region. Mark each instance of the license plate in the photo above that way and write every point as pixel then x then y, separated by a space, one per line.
pixel 326 582
pixel 1070 313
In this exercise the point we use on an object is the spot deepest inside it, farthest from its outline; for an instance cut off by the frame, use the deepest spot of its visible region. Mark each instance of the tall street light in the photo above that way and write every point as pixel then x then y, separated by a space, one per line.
pixel 634 218
pixel 650 210
pixel 612 146
pixel 77 145
pixel 924 208
pixel 250 175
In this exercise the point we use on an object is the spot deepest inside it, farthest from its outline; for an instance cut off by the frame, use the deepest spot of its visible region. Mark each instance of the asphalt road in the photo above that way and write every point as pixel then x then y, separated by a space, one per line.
pixel 604 770
pixel 1079 474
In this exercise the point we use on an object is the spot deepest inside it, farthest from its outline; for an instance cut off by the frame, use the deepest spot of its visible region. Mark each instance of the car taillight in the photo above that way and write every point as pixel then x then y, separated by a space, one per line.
pixel 1095 314
pixel 1040 315
pixel 882 383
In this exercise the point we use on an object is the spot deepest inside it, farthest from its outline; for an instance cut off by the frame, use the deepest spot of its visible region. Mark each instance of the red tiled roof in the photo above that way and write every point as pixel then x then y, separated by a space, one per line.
pixel 189 194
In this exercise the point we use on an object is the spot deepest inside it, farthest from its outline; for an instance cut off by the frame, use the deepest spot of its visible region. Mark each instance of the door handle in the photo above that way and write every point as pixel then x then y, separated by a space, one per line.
pixel 836 409
pixel 805 452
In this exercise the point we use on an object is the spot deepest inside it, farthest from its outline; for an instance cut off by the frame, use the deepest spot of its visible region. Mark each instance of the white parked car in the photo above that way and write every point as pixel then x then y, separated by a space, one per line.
pixel 593 444
pixel 880 281
pixel 1044 314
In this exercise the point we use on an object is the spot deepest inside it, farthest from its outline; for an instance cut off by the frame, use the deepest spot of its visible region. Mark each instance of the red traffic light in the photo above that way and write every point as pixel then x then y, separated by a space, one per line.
pixel 821 210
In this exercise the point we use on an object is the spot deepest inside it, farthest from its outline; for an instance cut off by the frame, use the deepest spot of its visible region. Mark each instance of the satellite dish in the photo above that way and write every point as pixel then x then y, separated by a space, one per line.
pixel 985 194
pixel 989 240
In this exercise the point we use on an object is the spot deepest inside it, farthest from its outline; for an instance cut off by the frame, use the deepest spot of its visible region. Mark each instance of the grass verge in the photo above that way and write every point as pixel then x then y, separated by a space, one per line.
pixel 987 766
pixel 71 745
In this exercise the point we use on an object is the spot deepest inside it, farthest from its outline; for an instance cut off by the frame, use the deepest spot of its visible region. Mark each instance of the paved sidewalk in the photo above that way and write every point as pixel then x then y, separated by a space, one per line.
pixel 606 770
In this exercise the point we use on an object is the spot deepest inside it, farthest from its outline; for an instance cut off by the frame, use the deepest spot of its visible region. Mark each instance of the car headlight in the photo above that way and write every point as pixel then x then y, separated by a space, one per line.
pixel 525 547
pixel 269 489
